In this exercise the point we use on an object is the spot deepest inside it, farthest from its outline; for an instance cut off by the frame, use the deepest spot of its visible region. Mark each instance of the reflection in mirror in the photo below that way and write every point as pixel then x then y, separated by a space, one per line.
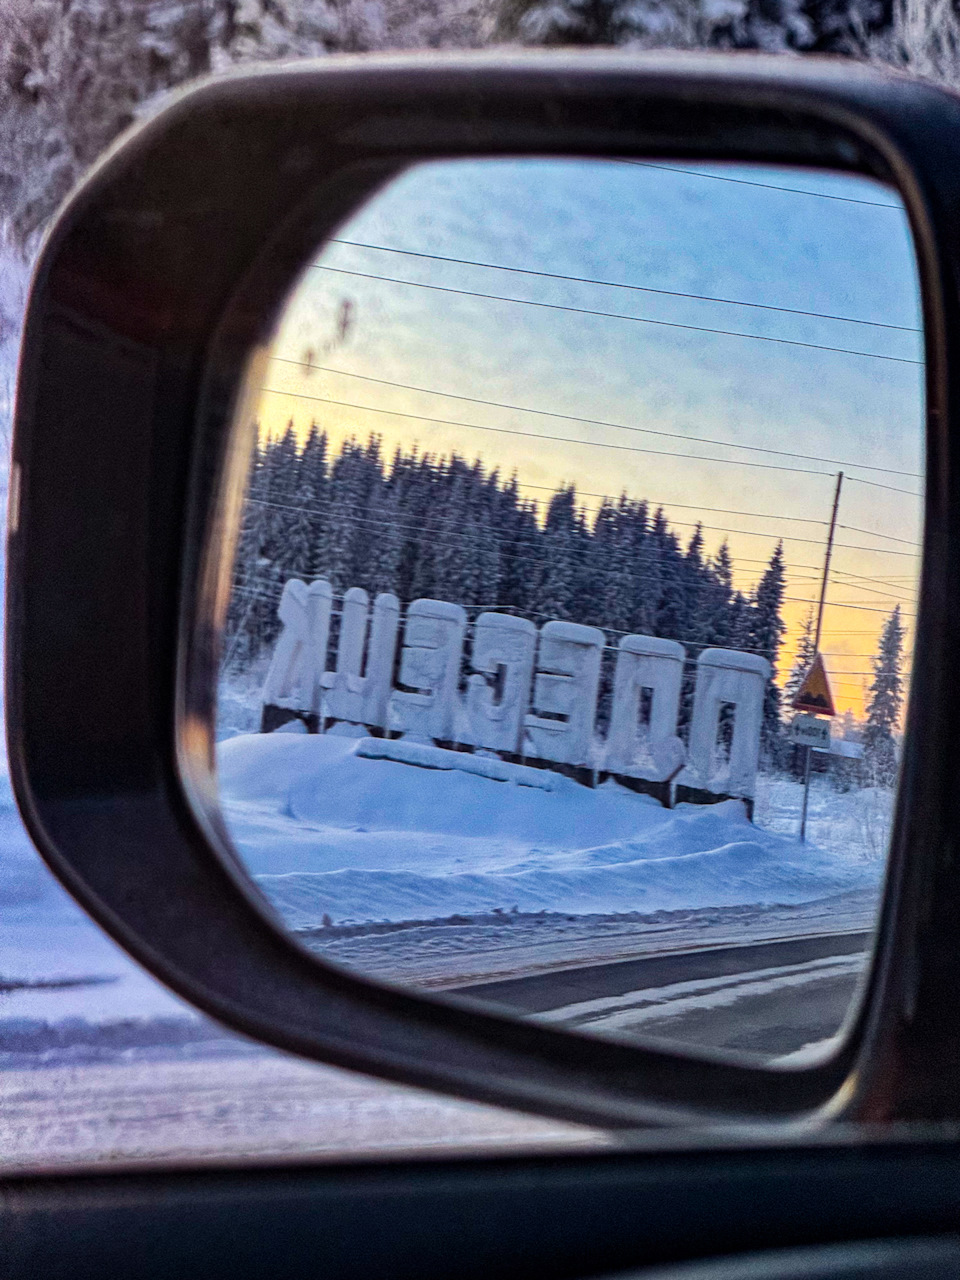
pixel 573 599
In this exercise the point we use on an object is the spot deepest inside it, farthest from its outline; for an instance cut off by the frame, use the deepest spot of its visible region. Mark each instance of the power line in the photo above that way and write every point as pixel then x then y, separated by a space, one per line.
pixel 883 582
pixel 852 673
pixel 584 551
pixel 463 538
pixel 614 284
pixel 510 542
pixel 592 444
pixel 846 604
pixel 768 186
pixel 600 422
pixel 875 533
pixel 272 596
pixel 659 504
pixel 528 613
pixel 791 537
pixel 615 315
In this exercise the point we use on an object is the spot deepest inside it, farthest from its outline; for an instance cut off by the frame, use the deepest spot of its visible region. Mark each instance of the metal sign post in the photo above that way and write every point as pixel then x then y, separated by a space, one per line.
pixel 817 670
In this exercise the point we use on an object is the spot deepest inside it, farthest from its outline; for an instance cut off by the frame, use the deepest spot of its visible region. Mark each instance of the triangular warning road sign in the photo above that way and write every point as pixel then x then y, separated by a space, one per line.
pixel 814 694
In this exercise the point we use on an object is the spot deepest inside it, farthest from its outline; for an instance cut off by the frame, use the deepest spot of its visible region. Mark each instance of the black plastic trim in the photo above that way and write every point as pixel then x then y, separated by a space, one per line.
pixel 554 1218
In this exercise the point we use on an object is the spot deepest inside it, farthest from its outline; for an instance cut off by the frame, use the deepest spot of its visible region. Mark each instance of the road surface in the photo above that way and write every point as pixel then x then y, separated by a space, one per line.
pixel 770 998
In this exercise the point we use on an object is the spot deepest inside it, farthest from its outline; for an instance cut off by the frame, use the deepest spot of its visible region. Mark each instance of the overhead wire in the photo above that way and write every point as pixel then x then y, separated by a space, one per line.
pixel 595 422
pixel 592 444
pixel 616 315
pixel 768 186
pixel 616 284
pixel 578 552
pixel 463 537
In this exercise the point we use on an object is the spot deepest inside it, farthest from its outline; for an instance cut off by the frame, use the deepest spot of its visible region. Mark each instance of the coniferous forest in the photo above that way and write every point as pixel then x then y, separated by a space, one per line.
pixel 419 526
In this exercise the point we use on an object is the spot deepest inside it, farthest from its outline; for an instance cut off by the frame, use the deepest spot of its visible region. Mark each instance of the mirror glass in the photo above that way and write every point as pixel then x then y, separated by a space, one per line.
pixel 572 593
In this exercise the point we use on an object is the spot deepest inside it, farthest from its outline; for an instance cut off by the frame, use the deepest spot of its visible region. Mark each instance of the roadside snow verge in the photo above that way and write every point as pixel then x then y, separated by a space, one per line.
pixel 329 831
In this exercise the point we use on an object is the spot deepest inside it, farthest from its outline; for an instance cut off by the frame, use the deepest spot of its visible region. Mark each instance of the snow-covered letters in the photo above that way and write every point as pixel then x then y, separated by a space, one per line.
pixel 526 693
pixel 425 705
pixel 738 680
pixel 498 693
pixel 294 678
pixel 349 695
pixel 560 726
pixel 646 662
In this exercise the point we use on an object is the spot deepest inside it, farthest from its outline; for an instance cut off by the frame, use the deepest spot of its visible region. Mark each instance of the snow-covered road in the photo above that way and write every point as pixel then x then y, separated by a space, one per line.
pixel 253 1105
pixel 767 998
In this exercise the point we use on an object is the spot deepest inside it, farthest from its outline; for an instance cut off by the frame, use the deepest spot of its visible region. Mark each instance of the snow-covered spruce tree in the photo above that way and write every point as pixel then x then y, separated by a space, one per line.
pixel 334 555
pixel 644 562
pixel 560 564
pixel 801 663
pixel 483 510
pixel 670 618
pixel 74 73
pixel 368 485
pixel 886 703
pixel 695 578
pixel 694 595
pixel 822 26
pixel 717 617
pixel 284 512
pixel 390 520
pixel 518 538
pixel 313 475
pixel 922 38
pixel 606 583
pixel 455 544
pixel 299 552
pixel 260 573
pixel 241 640
pixel 764 635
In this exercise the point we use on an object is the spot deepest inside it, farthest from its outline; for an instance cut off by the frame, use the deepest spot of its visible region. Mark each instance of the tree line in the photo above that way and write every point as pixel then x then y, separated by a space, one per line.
pixel 446 528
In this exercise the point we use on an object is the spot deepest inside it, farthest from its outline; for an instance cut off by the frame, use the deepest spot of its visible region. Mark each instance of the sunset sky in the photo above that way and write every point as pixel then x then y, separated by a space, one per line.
pixel 647 328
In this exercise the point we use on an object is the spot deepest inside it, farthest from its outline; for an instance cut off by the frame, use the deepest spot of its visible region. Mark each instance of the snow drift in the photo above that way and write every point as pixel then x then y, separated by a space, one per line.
pixel 328 829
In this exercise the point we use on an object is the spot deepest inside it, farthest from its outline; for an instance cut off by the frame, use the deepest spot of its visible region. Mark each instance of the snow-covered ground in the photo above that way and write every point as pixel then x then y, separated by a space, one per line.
pixel 443 867
pixel 257 1105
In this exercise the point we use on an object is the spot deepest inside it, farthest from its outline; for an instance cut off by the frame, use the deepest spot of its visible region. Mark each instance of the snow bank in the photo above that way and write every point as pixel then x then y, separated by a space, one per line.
pixel 430 757
pixel 327 829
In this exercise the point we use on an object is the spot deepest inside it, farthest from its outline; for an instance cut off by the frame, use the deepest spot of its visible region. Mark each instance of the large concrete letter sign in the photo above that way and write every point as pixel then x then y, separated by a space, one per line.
pixel 430 669
pixel 350 696
pixel 726 676
pixel 293 680
pixel 343 697
pixel 503 647
pixel 644 662
pixel 380 653
pixel 565 693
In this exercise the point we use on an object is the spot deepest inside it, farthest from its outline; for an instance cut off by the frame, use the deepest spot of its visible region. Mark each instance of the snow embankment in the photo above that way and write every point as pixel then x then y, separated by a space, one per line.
pixel 328 830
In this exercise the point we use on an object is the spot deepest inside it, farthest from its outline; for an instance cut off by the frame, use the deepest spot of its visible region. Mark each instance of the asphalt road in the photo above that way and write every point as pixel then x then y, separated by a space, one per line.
pixel 768 998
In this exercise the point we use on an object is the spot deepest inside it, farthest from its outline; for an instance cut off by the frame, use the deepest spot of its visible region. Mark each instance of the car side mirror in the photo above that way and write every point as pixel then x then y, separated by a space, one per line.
pixel 349 631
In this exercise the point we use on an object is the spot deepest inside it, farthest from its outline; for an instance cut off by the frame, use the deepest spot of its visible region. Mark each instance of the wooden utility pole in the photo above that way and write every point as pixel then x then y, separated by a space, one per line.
pixel 816 642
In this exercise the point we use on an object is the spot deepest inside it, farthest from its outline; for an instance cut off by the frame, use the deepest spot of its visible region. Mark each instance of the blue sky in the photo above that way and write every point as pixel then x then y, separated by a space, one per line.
pixel 473 289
